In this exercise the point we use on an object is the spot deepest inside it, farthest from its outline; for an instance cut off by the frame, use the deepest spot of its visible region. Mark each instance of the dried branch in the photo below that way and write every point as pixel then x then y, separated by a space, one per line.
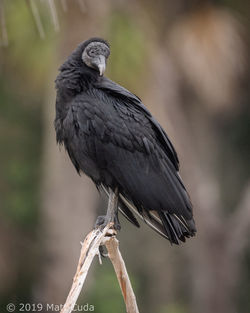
pixel 90 248
pixel 37 18
pixel 115 256
pixel 53 12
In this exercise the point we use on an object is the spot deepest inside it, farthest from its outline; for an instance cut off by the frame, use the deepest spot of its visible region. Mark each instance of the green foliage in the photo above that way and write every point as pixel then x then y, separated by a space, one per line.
pixel 19 160
pixel 106 294
pixel 27 52
pixel 128 55
pixel 25 64
pixel 173 308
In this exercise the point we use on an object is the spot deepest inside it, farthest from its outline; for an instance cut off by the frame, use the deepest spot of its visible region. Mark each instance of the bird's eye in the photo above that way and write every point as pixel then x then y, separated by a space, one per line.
pixel 91 52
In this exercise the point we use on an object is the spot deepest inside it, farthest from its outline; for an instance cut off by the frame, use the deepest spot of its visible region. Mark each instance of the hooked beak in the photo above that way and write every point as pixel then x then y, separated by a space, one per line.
pixel 100 64
pixel 101 68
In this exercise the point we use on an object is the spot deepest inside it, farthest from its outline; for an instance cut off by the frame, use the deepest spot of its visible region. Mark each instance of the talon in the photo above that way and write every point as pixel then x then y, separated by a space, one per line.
pixel 117 225
pixel 102 252
pixel 112 214
pixel 101 222
pixel 111 232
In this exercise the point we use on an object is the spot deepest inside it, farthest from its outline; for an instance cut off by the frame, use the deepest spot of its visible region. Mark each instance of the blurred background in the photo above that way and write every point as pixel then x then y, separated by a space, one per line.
pixel 189 63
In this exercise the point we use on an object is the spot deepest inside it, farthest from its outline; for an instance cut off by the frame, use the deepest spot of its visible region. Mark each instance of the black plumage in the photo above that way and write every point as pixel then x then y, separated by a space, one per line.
pixel 111 137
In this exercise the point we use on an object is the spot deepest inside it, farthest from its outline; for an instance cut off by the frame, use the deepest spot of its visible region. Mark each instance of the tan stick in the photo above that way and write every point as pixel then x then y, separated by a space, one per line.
pixel 121 272
pixel 90 248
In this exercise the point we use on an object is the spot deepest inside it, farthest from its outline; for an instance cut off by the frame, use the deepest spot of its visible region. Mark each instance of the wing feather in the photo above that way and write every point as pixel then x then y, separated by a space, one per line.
pixel 117 90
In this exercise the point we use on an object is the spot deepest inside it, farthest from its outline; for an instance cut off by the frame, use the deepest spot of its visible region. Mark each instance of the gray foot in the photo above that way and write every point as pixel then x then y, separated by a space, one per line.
pixel 103 220
pixel 103 252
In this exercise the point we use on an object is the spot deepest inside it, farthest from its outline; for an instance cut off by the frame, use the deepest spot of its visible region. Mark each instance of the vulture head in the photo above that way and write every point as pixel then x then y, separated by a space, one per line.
pixel 95 54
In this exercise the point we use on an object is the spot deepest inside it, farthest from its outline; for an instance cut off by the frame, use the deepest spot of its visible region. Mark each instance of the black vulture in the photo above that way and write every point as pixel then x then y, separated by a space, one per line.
pixel 111 136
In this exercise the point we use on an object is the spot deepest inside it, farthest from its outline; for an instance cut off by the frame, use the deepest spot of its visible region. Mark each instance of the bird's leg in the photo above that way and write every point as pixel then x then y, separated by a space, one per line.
pixel 110 217
pixel 112 212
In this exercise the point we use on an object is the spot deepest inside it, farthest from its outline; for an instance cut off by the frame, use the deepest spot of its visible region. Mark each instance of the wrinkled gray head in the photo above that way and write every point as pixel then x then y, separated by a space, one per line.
pixel 95 55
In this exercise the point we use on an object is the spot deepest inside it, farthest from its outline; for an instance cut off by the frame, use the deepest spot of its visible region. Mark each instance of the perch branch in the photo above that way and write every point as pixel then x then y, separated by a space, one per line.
pixel 90 248
pixel 115 256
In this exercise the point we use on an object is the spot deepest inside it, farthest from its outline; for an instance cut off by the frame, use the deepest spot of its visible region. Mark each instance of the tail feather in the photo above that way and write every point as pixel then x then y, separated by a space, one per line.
pixel 174 228
pixel 127 213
